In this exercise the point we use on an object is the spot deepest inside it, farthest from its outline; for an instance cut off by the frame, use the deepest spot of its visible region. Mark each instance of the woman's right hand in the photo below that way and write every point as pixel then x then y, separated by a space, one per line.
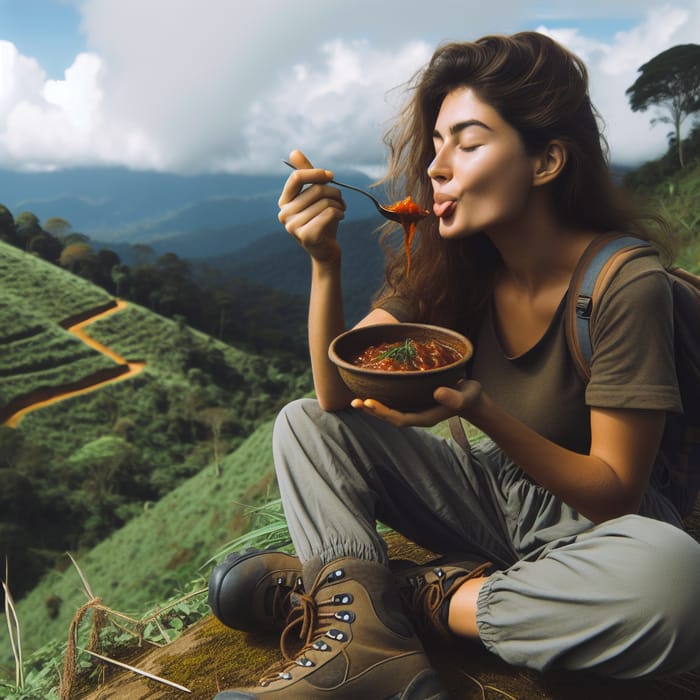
pixel 312 214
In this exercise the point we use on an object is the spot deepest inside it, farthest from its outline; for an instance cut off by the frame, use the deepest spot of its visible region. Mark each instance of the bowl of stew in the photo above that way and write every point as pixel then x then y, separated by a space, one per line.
pixel 400 364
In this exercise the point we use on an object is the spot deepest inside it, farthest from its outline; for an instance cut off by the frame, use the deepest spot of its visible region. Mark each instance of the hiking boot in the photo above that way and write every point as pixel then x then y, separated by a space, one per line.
pixel 425 589
pixel 352 640
pixel 253 591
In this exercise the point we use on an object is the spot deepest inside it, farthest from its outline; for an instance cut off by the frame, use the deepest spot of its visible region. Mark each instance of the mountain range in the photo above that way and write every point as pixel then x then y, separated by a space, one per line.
pixel 190 215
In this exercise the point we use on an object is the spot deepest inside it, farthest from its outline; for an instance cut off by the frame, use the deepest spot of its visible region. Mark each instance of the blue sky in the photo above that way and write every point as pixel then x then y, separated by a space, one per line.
pixel 233 85
pixel 48 30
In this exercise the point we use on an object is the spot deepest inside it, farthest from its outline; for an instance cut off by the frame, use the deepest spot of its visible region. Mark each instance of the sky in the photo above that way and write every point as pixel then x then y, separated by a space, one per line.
pixel 194 86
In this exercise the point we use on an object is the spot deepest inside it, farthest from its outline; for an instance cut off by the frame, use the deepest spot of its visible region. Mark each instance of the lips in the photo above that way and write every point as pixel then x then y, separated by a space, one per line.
pixel 444 208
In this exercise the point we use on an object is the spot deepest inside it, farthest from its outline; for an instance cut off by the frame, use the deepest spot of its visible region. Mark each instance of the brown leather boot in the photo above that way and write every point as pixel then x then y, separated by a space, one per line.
pixel 253 590
pixel 353 641
pixel 425 589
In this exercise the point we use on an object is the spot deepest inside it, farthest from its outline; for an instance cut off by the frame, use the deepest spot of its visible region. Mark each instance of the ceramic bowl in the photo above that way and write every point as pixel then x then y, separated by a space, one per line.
pixel 404 391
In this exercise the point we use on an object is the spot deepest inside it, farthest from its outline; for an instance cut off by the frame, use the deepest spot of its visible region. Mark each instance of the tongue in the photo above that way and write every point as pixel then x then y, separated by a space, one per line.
pixel 441 209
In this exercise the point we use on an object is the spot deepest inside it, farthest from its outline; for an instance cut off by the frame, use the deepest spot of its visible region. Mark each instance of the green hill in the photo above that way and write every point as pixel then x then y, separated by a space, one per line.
pixel 157 553
pixel 75 471
pixel 51 292
pixel 38 353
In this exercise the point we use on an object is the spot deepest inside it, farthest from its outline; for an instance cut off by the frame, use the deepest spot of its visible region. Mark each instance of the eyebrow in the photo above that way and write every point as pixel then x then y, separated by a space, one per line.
pixel 461 126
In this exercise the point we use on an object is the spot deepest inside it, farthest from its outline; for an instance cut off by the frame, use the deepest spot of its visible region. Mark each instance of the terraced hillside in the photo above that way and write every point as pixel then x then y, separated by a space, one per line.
pixel 39 355
pixel 76 470
pixel 50 291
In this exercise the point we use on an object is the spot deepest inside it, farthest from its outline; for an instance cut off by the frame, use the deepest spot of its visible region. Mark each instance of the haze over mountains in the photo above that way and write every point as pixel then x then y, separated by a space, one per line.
pixel 193 216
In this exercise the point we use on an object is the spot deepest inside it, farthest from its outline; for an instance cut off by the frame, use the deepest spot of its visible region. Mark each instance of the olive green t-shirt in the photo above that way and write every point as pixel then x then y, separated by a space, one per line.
pixel 632 364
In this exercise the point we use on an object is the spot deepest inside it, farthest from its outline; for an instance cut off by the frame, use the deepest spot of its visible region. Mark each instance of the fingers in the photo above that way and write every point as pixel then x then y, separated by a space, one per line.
pixel 450 402
pixel 305 174
pixel 449 397
pixel 424 419
pixel 310 208
pixel 315 198
pixel 309 216
pixel 299 160
pixel 462 398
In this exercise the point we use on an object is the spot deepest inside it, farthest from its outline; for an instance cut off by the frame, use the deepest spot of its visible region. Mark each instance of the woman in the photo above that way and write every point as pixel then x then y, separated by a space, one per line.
pixel 588 565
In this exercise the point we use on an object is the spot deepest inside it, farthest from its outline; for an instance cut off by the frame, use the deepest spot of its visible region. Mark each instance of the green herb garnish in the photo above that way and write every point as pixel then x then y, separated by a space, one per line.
pixel 403 353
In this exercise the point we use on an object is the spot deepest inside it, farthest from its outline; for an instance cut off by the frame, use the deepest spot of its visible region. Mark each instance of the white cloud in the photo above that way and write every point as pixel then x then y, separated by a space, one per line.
pixel 21 79
pixel 613 67
pixel 336 109
pixel 194 85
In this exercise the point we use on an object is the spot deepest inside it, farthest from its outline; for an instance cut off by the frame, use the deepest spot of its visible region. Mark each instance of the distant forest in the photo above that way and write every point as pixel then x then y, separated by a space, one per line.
pixel 229 309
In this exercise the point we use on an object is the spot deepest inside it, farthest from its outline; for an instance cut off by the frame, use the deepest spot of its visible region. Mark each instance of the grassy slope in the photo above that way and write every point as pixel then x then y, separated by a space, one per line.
pixel 169 392
pixel 156 404
pixel 679 202
pixel 36 352
pixel 54 292
pixel 160 552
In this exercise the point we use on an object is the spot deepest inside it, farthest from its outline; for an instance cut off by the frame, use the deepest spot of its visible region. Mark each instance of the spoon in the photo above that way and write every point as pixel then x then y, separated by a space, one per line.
pixel 384 211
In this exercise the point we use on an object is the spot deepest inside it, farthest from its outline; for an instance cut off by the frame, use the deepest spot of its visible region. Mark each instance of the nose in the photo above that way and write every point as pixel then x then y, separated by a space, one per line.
pixel 439 168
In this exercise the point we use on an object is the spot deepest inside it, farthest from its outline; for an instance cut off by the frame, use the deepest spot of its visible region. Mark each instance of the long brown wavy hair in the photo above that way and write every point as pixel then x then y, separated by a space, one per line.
pixel 541 90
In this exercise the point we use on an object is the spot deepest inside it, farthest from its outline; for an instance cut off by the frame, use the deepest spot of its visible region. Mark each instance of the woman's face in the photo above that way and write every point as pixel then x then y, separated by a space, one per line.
pixel 481 175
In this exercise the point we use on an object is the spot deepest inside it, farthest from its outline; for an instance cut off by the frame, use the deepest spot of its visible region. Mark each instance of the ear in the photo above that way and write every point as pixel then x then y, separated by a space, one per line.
pixel 549 163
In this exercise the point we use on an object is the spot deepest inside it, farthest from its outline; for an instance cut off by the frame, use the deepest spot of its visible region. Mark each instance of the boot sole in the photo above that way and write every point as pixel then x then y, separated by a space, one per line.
pixel 425 686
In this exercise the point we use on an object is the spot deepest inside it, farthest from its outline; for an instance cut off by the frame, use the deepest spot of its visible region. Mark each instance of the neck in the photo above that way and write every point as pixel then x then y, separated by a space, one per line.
pixel 539 253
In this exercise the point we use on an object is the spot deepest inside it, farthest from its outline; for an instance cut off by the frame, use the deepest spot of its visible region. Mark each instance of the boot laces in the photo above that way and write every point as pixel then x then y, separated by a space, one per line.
pixel 307 624
pixel 426 598
pixel 283 598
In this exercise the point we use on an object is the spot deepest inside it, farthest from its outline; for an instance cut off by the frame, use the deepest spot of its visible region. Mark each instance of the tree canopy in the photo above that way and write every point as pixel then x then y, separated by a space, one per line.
pixel 671 81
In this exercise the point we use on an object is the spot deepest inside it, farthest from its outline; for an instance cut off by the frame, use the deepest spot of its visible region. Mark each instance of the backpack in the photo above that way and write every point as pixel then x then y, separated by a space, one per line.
pixel 680 445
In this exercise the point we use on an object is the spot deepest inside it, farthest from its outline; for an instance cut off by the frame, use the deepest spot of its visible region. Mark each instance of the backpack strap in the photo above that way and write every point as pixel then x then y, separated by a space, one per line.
pixel 595 270
pixel 459 435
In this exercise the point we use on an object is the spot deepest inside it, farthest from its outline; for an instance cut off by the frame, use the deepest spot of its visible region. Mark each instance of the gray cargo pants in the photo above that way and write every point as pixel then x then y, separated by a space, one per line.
pixel 620 599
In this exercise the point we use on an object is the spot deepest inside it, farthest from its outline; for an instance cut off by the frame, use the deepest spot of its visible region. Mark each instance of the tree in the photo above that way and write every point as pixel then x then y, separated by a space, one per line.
pixel 46 246
pixel 75 255
pixel 670 81
pixel 215 417
pixel 7 226
pixel 120 277
pixel 27 227
pixel 57 226
pixel 107 472
pixel 74 237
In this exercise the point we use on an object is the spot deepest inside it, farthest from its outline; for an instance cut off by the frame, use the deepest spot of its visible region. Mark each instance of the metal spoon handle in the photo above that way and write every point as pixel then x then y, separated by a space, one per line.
pixel 381 209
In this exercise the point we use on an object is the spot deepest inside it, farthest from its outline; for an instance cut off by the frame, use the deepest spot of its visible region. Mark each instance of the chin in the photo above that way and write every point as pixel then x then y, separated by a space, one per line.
pixel 454 229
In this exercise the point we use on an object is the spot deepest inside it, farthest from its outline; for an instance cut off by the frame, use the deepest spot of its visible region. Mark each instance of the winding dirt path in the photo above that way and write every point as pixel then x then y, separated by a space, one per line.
pixel 77 329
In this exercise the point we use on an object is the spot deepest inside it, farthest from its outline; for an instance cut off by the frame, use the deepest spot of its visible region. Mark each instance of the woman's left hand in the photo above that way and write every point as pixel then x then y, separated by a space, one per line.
pixel 450 402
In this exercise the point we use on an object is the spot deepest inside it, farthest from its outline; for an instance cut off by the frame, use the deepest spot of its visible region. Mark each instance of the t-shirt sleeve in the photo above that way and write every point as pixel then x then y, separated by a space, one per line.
pixel 398 307
pixel 633 361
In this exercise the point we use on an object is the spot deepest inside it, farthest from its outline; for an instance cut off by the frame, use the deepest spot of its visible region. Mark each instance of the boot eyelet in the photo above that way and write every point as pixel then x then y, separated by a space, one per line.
pixel 342 599
pixel 335 634
pixel 335 575
pixel 320 645
pixel 285 676
pixel 439 572
pixel 303 661
pixel 345 616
